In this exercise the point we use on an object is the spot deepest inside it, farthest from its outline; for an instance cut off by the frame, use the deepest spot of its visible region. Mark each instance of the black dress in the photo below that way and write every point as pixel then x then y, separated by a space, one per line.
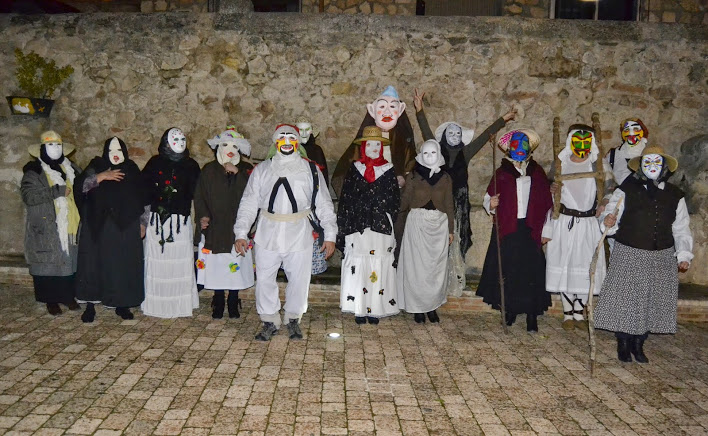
pixel 110 267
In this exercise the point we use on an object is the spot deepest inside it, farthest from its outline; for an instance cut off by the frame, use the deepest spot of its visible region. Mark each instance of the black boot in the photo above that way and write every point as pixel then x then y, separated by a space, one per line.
pixel 433 316
pixel 89 314
pixel 623 349
pixel 637 348
pixel 419 318
pixel 531 322
pixel 124 313
pixel 234 303
pixel 510 318
pixel 360 319
pixel 217 305
pixel 53 309
pixel 73 305
pixel 372 320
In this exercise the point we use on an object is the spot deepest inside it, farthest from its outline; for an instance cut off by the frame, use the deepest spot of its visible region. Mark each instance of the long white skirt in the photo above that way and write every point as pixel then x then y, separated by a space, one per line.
pixel 368 275
pixel 422 265
pixel 170 288
pixel 224 271
pixel 569 253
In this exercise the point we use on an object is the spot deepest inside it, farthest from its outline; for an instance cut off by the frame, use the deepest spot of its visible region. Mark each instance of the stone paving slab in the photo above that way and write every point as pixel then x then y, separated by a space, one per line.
pixel 198 376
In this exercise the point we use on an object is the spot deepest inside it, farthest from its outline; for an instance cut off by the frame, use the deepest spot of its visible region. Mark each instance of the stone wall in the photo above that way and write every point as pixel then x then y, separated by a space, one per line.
pixel 139 74
pixel 382 7
pixel 675 11
pixel 528 8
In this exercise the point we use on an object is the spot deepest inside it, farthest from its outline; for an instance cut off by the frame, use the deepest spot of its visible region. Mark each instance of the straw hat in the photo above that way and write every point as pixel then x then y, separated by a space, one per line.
pixel 505 139
pixel 50 136
pixel 372 133
pixel 669 160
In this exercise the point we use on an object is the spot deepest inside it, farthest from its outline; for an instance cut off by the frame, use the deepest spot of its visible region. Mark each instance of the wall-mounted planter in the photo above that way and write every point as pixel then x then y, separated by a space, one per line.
pixel 38 107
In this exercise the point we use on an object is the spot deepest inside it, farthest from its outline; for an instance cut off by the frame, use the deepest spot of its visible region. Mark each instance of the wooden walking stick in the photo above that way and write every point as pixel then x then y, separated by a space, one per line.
pixel 557 167
pixel 591 312
pixel 493 140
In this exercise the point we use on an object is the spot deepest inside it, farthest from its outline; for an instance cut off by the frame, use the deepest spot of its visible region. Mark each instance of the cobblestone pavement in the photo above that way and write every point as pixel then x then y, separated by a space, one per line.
pixel 461 377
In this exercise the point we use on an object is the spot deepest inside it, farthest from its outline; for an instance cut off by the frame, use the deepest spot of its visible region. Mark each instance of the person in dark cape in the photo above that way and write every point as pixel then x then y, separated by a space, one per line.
pixel 388 113
pixel 111 201
pixel 521 198
pixel 52 223
pixel 309 136
pixel 458 146
pixel 170 179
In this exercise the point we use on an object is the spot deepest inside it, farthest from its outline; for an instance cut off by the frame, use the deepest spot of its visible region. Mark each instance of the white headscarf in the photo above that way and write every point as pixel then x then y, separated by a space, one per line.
pixel 567 150
pixel 431 144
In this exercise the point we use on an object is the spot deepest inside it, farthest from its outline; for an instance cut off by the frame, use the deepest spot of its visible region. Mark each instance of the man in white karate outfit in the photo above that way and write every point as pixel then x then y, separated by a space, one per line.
pixel 281 188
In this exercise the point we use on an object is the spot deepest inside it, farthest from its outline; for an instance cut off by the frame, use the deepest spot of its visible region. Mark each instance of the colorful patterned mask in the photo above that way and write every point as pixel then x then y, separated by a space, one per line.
pixel 177 140
pixel 581 143
pixel 287 139
pixel 652 164
pixel 519 147
pixel 632 132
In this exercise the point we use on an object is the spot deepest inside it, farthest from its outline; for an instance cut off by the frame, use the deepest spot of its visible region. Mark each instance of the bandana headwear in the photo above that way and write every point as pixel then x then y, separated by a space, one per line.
pixel 514 138
pixel 467 134
pixel 431 145
pixel 371 133
pixel 576 133
pixel 633 132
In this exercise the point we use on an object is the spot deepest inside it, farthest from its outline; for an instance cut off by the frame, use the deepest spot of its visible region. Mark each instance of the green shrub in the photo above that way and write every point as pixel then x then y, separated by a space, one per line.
pixel 37 76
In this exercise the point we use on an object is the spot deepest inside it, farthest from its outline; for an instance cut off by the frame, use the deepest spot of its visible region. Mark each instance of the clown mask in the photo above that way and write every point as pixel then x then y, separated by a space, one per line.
pixel 305 131
pixel 453 135
pixel 652 164
pixel 115 153
pixel 55 150
pixel 286 139
pixel 632 133
pixel 519 147
pixel 581 143
pixel 177 140
pixel 228 152
pixel 372 149
pixel 386 109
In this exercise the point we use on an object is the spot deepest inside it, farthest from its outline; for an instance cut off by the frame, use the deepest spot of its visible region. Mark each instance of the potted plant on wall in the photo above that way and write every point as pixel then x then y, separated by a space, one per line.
pixel 38 78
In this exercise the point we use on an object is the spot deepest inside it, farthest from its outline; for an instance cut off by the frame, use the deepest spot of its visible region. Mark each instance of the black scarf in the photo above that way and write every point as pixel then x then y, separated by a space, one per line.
pixel 424 172
pixel 122 201
pixel 165 150
pixel 54 164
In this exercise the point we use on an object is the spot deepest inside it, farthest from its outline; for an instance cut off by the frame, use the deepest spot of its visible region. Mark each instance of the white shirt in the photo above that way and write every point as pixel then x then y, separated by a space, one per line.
pixel 378 170
pixel 623 154
pixel 683 240
pixel 523 190
pixel 284 237
pixel 578 194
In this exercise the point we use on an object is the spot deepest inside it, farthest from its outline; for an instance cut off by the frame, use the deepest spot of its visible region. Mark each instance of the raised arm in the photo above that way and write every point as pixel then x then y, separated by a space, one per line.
pixel 473 147
pixel 420 115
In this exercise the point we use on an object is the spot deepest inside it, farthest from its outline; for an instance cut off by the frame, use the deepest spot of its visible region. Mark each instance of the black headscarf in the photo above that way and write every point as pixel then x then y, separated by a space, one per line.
pixel 122 201
pixel 54 164
pixel 165 150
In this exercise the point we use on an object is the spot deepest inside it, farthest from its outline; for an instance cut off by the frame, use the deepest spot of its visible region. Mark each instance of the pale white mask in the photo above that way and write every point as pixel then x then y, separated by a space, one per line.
pixel 115 153
pixel 305 131
pixel 372 149
pixel 453 134
pixel 228 153
pixel 385 112
pixel 430 154
pixel 177 140
pixel 55 150
pixel 652 165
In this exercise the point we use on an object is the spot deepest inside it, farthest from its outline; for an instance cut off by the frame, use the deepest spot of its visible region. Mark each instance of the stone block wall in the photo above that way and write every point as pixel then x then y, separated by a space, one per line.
pixel 675 11
pixel 527 8
pixel 381 7
pixel 138 74
pixel 148 6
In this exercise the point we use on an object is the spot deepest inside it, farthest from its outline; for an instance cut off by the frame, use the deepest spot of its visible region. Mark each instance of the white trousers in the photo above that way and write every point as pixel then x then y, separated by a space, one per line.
pixel 298 269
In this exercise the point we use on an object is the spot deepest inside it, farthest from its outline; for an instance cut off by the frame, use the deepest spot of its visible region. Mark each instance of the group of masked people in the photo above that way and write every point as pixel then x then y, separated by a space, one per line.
pixel 402 225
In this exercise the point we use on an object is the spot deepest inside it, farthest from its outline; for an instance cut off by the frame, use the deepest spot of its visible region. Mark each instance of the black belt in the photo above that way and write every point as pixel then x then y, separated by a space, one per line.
pixel 578 213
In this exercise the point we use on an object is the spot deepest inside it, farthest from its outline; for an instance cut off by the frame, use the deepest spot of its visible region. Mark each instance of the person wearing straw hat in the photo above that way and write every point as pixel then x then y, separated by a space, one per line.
pixel 521 198
pixel 653 242
pixel 52 223
pixel 367 207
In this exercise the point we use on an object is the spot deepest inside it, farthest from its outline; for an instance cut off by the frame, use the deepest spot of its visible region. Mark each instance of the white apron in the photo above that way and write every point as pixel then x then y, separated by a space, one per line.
pixel 224 271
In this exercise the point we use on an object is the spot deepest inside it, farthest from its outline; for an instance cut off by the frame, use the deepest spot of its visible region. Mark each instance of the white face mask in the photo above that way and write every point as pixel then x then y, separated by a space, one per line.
pixel 373 149
pixel 305 131
pixel 55 150
pixel 453 134
pixel 115 153
pixel 430 155
pixel 177 140
pixel 385 112
pixel 228 153
pixel 652 165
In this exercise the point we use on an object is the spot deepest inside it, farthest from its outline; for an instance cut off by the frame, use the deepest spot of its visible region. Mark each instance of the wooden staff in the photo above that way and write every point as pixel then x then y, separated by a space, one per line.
pixel 591 311
pixel 599 169
pixel 557 167
pixel 493 140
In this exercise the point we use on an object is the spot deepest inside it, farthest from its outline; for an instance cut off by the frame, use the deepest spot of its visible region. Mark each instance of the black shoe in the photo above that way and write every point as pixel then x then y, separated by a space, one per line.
pixel 360 319
pixel 637 349
pixel 510 318
pixel 294 329
pixel 89 314
pixel 372 320
pixel 531 323
pixel 53 309
pixel 233 304
pixel 124 313
pixel 419 318
pixel 267 331
pixel 623 350
pixel 217 305
pixel 433 316
pixel 73 305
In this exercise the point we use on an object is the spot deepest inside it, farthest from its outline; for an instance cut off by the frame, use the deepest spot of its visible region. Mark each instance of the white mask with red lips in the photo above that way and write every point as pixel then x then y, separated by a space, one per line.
pixel 115 153
pixel 652 164
pixel 176 140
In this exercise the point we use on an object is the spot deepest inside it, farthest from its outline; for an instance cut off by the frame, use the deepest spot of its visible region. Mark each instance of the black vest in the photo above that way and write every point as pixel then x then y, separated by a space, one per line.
pixel 646 221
